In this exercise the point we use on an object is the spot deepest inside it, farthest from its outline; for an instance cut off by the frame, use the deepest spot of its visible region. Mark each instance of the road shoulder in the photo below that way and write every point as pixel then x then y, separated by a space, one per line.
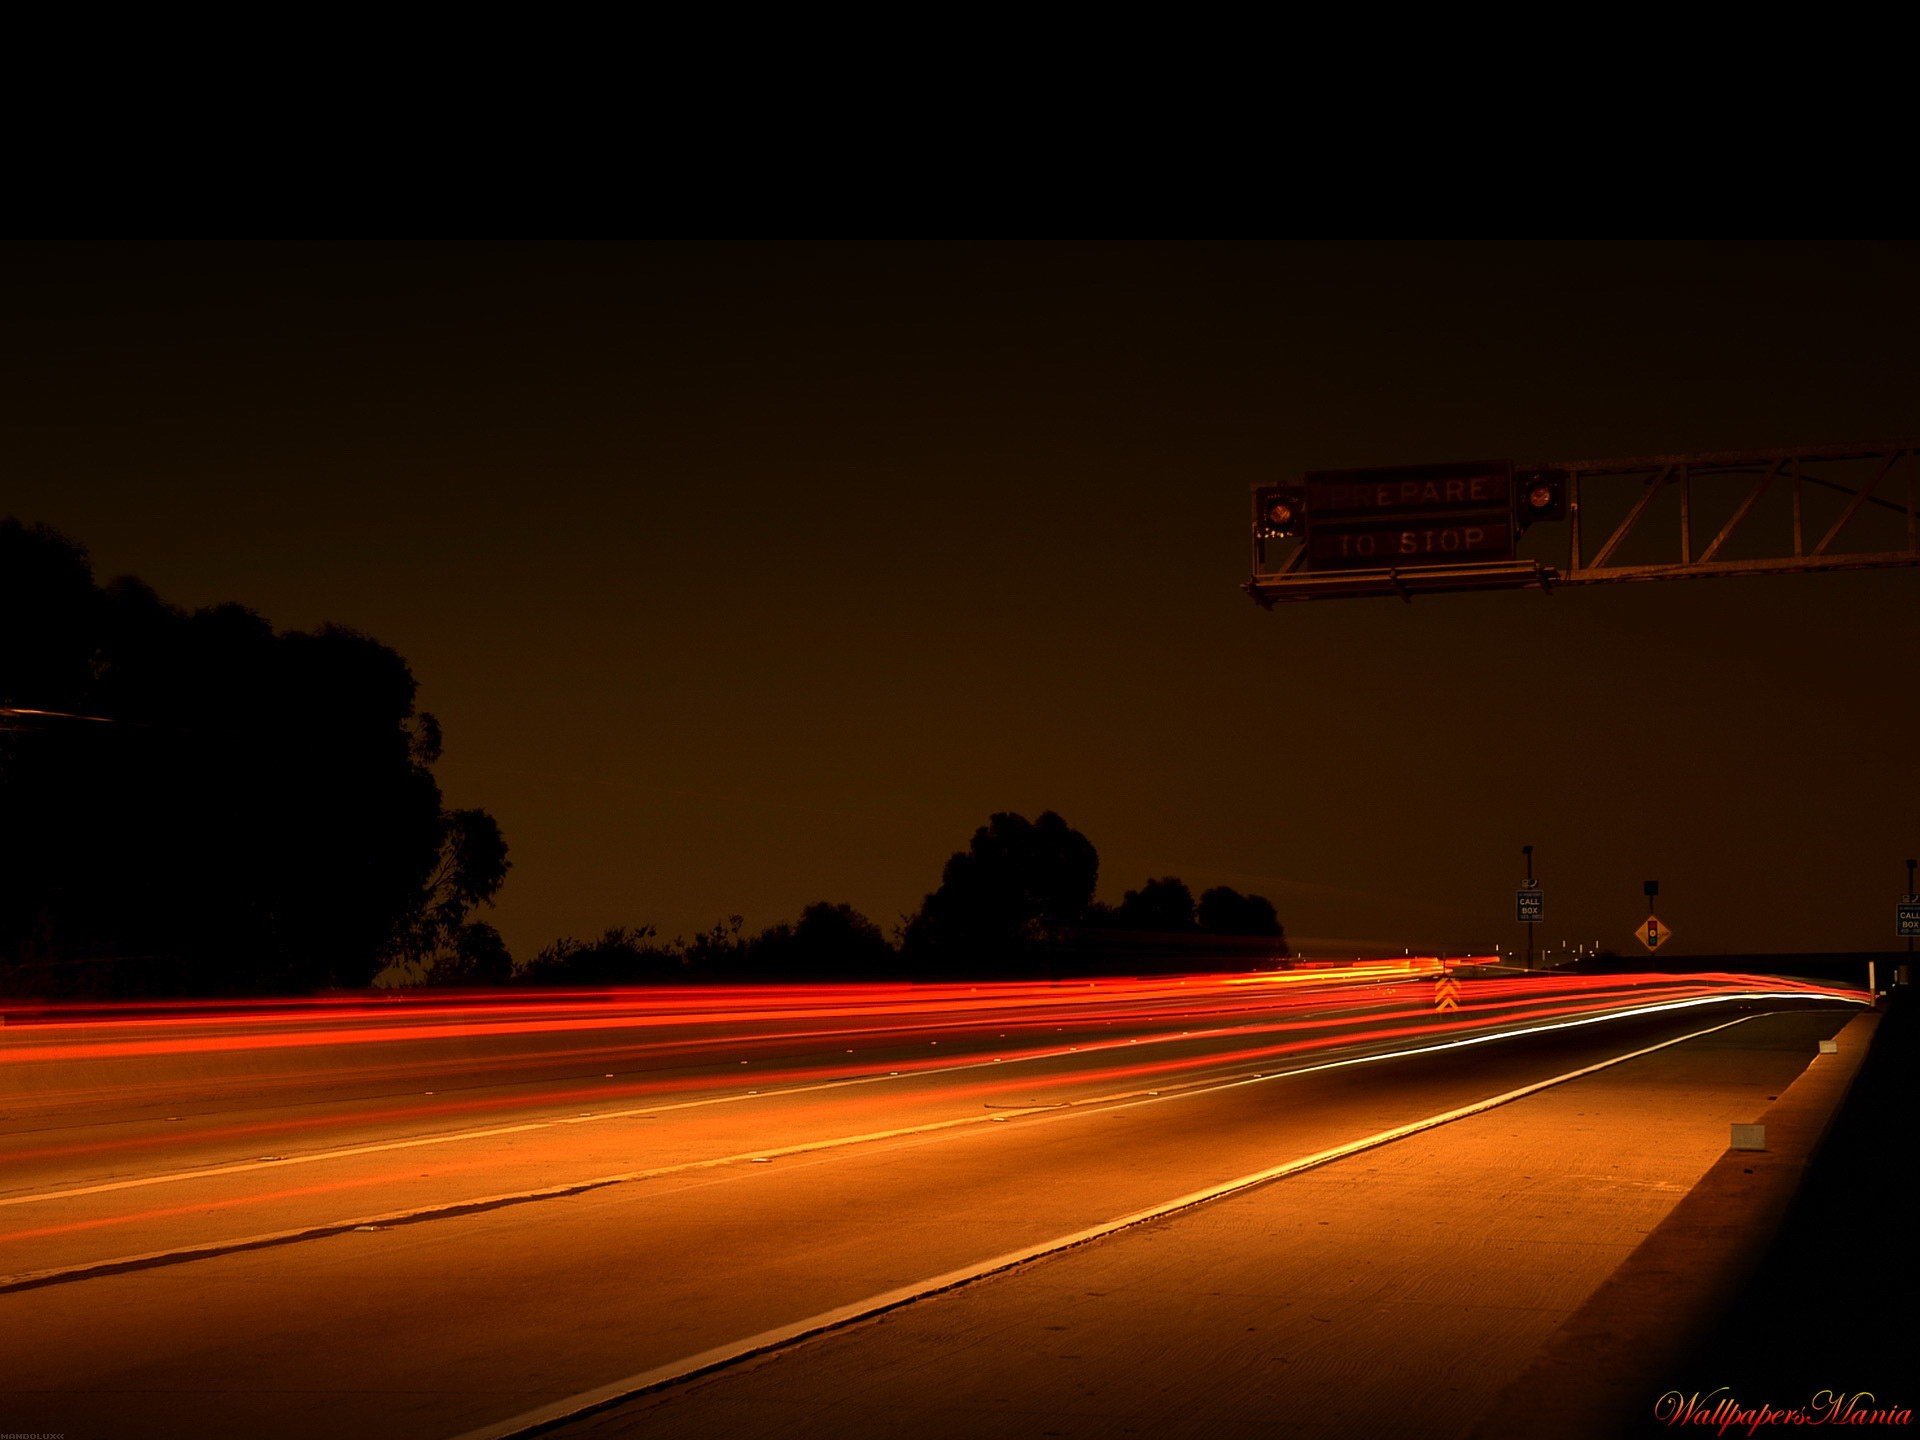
pixel 1603 1371
pixel 1363 1297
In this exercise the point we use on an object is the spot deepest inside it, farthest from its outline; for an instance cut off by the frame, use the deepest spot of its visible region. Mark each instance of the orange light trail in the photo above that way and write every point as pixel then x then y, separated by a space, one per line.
pixel 1372 1021
pixel 1362 1004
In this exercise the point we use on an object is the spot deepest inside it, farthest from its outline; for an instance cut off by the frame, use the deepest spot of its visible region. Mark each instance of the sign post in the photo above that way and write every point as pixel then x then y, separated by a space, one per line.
pixel 1529 904
pixel 1906 924
pixel 1653 932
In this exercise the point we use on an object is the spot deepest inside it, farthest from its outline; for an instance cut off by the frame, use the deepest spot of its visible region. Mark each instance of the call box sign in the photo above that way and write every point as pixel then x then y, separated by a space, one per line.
pixel 1405 516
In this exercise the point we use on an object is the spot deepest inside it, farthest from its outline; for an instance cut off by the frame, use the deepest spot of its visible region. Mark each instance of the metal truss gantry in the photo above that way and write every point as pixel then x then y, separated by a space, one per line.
pixel 1771 512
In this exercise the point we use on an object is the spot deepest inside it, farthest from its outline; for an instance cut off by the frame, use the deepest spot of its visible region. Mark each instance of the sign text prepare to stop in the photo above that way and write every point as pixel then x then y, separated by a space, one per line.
pixel 1482 485
pixel 1410 517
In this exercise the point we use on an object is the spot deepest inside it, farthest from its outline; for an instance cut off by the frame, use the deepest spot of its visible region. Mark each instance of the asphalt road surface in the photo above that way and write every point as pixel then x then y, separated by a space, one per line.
pixel 429 1218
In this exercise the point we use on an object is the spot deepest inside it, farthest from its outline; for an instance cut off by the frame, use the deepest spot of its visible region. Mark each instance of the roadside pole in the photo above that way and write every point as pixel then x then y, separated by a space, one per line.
pixel 1913 897
pixel 1527 850
pixel 1529 905
pixel 1653 932
pixel 1907 923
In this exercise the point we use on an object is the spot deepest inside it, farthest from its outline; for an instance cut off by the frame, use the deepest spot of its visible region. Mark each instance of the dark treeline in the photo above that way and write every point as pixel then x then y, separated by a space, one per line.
pixel 1017 902
pixel 194 803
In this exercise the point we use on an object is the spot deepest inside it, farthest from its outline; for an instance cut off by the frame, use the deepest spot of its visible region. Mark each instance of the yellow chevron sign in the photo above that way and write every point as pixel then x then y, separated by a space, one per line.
pixel 1446 992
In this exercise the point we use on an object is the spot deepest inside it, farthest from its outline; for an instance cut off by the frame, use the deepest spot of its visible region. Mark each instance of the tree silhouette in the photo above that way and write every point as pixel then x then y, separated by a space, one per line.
pixel 474 956
pixel 471 867
pixel 621 956
pixel 1003 900
pixel 829 942
pixel 1163 906
pixel 1018 901
pixel 1225 911
pixel 242 810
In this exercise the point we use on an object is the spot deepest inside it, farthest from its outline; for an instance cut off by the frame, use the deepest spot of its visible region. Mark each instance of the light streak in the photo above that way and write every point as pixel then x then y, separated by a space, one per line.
pixel 1366 1014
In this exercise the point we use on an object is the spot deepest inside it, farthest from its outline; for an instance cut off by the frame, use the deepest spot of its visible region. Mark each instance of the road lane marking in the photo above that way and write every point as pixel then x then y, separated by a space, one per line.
pixel 167 1177
pixel 782 1337
pixel 1037 1115
pixel 241 1167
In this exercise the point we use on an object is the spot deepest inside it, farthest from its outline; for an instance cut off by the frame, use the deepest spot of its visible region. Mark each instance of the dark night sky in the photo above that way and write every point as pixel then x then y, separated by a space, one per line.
pixel 743 576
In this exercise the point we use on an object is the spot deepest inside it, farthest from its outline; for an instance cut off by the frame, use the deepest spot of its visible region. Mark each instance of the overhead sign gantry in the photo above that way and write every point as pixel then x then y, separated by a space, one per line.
pixel 1498 525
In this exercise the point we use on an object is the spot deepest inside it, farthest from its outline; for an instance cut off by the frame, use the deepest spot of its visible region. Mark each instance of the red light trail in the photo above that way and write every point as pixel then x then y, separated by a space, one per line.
pixel 167 1135
pixel 63 1055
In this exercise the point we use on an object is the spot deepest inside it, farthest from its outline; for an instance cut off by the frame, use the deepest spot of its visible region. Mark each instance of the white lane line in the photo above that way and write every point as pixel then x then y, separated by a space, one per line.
pixel 243 1167
pixel 676 1371
pixel 1104 1104
pixel 451 1137
pixel 1037 1115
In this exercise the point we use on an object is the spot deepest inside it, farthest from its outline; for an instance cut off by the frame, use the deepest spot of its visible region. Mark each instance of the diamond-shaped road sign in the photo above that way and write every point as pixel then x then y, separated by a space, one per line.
pixel 1653 932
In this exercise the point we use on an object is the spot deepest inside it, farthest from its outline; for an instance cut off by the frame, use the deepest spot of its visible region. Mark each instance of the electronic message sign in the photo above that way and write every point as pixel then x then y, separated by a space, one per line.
pixel 1406 516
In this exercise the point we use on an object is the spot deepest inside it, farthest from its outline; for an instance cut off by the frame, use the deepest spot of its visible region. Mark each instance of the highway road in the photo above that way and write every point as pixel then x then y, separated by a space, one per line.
pixel 440 1215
